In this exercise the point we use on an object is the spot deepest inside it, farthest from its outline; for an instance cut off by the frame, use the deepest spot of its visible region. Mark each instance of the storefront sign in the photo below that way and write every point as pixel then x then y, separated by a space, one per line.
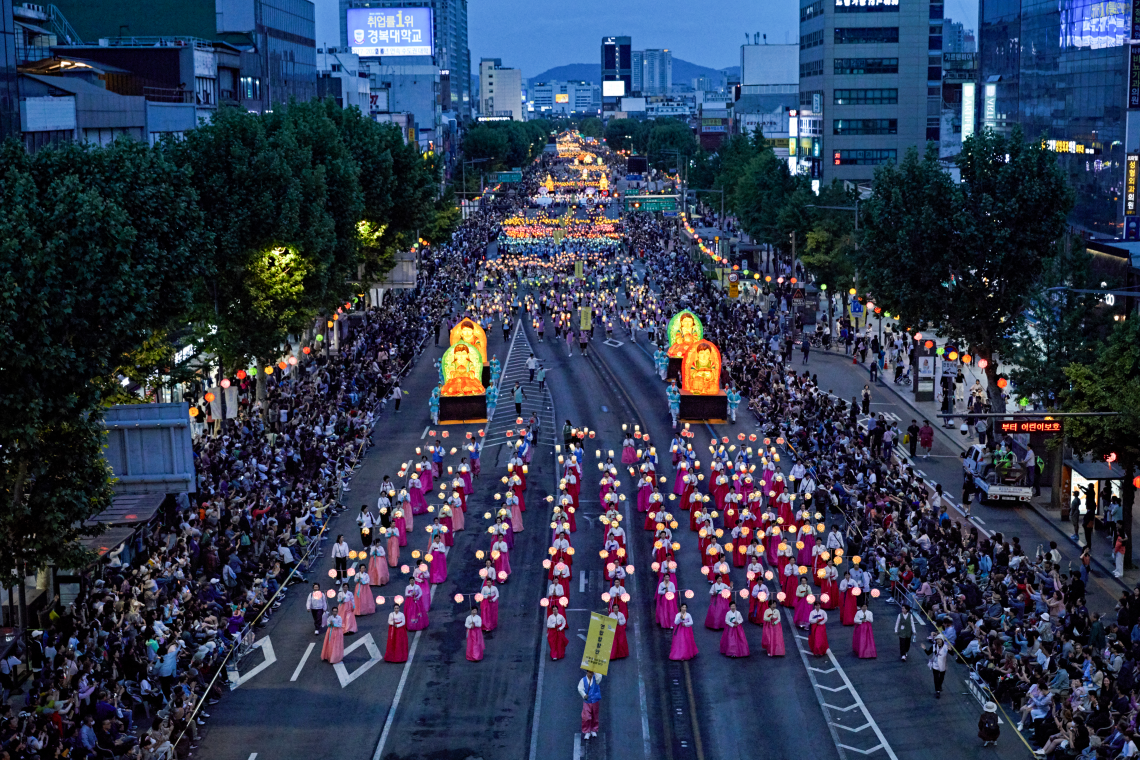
pixel 1132 167
pixel 1134 76
pixel 1049 427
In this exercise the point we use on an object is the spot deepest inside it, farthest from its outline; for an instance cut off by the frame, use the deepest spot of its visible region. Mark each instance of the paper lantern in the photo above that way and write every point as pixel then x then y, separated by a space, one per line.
pixel 502 575
pixel 405 569
pixel 544 602
pixel 669 595
pixel 781 596
pixel 332 573
pixel 688 593
pixel 193 411
pixel 331 594
pixel 856 591
pixel 875 593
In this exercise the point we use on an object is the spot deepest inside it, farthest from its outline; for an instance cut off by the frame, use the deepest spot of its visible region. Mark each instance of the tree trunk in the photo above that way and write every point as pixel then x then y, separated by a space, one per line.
pixel 993 392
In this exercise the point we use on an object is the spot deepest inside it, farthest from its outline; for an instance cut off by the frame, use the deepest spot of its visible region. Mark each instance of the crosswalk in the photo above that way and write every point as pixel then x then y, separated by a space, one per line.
pixel 537 402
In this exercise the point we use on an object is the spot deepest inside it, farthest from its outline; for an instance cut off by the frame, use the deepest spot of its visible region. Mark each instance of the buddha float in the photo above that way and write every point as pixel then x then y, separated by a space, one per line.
pixel 462 396
pixel 702 399
pixel 683 332
pixel 469 331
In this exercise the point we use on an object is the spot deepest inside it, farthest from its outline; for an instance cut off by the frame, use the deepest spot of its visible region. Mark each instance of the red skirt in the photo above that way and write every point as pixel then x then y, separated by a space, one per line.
pixel 396 649
pixel 558 641
pixel 621 644
pixel 817 639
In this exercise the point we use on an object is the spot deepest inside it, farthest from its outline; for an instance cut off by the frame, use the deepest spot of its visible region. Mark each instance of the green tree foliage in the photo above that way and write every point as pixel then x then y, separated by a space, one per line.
pixel 1110 384
pixel 591 127
pixel 829 245
pixel 98 247
pixel 964 259
pixel 620 133
pixel 666 136
pixel 761 192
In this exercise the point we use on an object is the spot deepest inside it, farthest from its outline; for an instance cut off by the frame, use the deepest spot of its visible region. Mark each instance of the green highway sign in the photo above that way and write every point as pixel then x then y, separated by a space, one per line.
pixel 651 203
pixel 512 176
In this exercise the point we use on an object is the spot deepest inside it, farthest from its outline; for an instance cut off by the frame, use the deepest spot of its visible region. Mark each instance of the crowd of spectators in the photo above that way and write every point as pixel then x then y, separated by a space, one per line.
pixel 132 666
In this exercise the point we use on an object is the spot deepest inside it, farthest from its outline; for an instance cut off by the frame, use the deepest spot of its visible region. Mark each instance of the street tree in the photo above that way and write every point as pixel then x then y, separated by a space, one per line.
pixel 964 259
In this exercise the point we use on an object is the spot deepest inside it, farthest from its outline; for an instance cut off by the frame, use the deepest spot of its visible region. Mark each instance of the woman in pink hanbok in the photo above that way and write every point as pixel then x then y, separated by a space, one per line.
pixel 474 626
pixel 666 603
pixel 378 574
pixel 733 642
pixel 489 605
pixel 804 601
pixel 333 648
pixel 437 568
pixel 365 602
pixel 817 639
pixel 773 637
pixel 719 596
pixel 863 640
pixel 347 611
pixel 684 646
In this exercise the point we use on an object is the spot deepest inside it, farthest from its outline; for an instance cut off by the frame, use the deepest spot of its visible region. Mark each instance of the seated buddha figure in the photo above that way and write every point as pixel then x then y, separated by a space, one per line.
pixel 462 370
pixel 468 332
pixel 684 331
pixel 700 374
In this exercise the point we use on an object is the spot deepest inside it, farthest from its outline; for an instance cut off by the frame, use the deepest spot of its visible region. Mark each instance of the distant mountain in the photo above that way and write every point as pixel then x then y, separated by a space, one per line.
pixel 684 72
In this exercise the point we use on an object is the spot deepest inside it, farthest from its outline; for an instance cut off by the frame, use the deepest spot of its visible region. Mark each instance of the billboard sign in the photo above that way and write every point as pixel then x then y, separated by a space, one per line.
pixel 1134 76
pixel 613 88
pixel 389 31
pixel 1132 166
pixel 969 93
pixel 562 97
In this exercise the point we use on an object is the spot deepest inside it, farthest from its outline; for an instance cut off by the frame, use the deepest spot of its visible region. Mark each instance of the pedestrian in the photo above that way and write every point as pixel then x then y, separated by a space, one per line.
pixel 926 438
pixel 569 341
pixel 912 438
pixel 519 395
pixel 340 558
pixel 874 370
pixel 866 399
pixel 316 606
pixel 541 378
pixel 583 341
pixel 1118 556
pixel 590 689
pixel 397 395
pixel 904 627
pixel 1075 512
pixel 805 346
pixel 988 728
pixel 531 366
pixel 937 663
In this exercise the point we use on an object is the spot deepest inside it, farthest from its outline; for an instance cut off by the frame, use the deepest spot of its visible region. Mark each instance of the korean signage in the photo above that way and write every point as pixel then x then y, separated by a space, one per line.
pixel 1051 427
pixel 1134 75
pixel 1132 167
pixel 968 107
pixel 389 31
pixel 599 643
pixel 989 106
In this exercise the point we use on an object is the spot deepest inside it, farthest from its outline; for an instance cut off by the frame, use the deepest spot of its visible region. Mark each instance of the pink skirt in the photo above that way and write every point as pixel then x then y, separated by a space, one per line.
pixel 773 640
pixel 628 455
pixel 848 610
pixel 684 645
pixel 458 520
pixel 467 486
pixel 476 467
pixel 718 608
pixel 333 648
pixel 365 602
pixel 417 615
pixel 393 551
pixel 419 504
pixel 666 611
pixel 503 565
pixel 733 642
pixel 437 568
pixel 803 610
pixel 489 611
pixel 863 642
pixel 348 616
pixel 643 498
pixel 378 571
pixel 474 644
pixel 427 480
pixel 516 518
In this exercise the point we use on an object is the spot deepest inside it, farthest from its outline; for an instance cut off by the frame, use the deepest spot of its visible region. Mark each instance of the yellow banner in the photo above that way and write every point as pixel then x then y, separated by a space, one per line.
pixel 599 643
pixel 733 289
pixel 579 270
pixel 587 317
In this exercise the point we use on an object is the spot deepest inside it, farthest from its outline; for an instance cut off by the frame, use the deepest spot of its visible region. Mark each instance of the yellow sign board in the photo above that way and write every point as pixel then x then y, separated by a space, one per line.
pixel 587 315
pixel 599 643
pixel 733 289
pixel 579 270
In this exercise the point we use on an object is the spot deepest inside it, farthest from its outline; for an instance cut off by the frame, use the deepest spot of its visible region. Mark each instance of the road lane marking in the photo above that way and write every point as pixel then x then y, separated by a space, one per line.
pixel 581 581
pixel 374 657
pixel 399 691
pixel 266 646
pixel 304 659
pixel 424 434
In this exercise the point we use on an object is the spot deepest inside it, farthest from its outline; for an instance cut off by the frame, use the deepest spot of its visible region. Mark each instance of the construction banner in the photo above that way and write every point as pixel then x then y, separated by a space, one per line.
pixel 599 643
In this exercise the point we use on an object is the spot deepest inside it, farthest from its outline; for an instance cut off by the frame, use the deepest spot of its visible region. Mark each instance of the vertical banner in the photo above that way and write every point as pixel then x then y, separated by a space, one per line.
pixel 579 270
pixel 969 106
pixel 587 317
pixel 599 643
pixel 1134 76
pixel 1131 167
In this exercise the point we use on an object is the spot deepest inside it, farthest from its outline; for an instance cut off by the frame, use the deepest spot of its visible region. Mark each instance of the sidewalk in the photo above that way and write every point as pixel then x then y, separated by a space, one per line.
pixel 1041 505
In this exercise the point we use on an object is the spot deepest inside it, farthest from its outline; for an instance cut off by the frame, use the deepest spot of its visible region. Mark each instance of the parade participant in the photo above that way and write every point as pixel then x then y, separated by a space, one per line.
pixel 347 610
pixel 773 638
pixel 474 626
pixel 365 602
pixel 804 603
pixel 620 649
pixel 817 639
pixel 501 556
pixel 367 522
pixel 684 646
pixel 393 549
pixel 437 567
pixel 489 605
pixel 396 648
pixel 556 634
pixel 719 595
pixel 733 642
pixel 590 689
pixel 863 641
pixel 315 604
pixel 378 574
pixel 666 603
pixel 332 650
pixel 417 618
pixel 905 628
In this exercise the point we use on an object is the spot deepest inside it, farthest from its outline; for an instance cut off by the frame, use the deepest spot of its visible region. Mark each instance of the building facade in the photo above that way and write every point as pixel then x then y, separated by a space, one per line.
pixel 657 76
pixel 567 98
pixel 870 76
pixel 617 66
pixel 500 90
pixel 1060 71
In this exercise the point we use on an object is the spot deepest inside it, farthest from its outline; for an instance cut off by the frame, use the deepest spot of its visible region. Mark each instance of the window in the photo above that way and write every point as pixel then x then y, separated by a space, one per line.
pixel 811 40
pixel 866 65
pixel 811 69
pixel 863 156
pixel 806 97
pixel 933 73
pixel 251 88
pixel 866 6
pixel 936 10
pixel 855 35
pixel 865 97
pixel 811 11
pixel 865 126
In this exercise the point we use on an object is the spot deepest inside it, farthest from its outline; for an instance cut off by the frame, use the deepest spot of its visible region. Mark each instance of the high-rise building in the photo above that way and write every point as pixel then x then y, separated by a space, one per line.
pixel 450 53
pixel 566 98
pixel 617 66
pixel 870 82
pixel 1064 76
pixel 657 77
pixel 274 37
pixel 637 57
pixel 500 91
pixel 9 93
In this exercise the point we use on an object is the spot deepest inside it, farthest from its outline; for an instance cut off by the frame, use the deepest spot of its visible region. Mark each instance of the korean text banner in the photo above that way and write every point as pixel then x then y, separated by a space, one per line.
pixel 389 31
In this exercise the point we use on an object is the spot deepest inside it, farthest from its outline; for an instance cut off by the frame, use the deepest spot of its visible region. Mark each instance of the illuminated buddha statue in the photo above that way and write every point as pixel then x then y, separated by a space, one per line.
pixel 685 331
pixel 466 331
pixel 462 368
pixel 700 373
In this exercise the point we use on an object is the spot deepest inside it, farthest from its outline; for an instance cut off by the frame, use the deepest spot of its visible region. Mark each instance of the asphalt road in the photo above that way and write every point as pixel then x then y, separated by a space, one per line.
pixel 517 703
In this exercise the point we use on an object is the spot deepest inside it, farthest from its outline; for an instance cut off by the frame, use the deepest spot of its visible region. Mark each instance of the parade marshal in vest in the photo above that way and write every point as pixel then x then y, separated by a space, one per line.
pixel 684 330
pixel 700 373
